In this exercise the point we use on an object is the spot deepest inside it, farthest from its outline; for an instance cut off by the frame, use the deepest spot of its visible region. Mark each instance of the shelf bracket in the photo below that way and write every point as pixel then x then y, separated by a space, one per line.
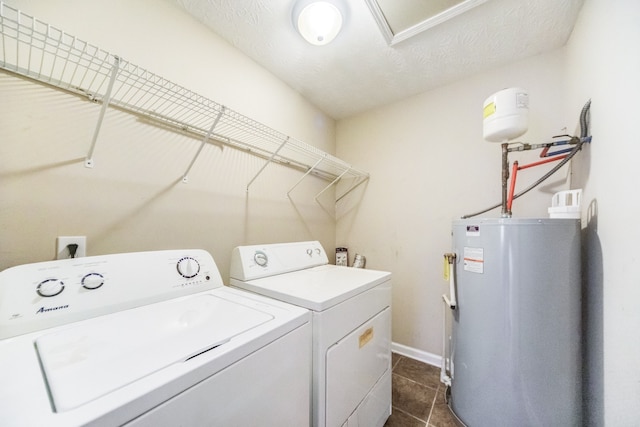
pixel 88 163
pixel 360 180
pixel 273 156
pixel 332 183
pixel 311 169
pixel 185 176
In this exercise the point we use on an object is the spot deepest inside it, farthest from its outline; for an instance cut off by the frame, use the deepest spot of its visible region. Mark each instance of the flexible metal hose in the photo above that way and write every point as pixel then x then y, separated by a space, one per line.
pixel 584 130
pixel 584 120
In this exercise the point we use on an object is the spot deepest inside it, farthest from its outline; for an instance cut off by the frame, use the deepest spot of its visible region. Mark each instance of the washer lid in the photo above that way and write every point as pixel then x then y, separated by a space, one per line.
pixel 103 354
pixel 317 288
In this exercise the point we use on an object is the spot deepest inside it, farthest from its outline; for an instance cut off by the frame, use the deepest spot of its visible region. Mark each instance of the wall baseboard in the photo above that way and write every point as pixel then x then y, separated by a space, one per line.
pixel 413 353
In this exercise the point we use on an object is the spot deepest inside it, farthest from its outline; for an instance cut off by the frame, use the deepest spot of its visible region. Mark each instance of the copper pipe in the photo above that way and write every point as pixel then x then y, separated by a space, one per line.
pixel 512 187
pixel 505 178
pixel 542 162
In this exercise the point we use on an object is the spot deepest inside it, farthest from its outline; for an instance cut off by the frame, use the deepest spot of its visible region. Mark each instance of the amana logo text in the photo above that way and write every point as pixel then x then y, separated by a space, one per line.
pixel 47 309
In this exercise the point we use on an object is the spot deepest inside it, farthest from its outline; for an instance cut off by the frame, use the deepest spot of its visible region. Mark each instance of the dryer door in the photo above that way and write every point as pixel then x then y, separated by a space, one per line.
pixel 354 366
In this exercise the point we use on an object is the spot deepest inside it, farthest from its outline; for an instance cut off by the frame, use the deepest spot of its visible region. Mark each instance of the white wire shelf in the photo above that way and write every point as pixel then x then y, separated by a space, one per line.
pixel 41 52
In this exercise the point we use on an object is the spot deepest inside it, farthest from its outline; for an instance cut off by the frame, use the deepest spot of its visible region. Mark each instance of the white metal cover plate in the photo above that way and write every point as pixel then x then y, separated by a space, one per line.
pixel 103 354
pixel 317 288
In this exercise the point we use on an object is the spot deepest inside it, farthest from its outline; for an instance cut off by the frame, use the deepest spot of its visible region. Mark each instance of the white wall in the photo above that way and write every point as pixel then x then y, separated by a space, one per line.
pixel 603 63
pixel 429 165
pixel 426 157
pixel 133 198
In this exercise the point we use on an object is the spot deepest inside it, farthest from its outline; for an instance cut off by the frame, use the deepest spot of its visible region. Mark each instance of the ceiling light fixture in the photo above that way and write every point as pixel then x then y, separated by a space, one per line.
pixel 319 22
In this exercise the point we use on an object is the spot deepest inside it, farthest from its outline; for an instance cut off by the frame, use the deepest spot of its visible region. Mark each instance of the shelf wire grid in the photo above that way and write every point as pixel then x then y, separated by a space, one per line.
pixel 42 52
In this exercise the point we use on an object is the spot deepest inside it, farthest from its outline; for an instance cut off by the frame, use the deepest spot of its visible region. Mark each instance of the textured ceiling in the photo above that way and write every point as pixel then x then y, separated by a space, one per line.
pixel 359 70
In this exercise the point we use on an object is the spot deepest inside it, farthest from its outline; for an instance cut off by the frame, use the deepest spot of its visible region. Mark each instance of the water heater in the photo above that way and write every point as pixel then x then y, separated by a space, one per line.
pixel 505 115
pixel 515 342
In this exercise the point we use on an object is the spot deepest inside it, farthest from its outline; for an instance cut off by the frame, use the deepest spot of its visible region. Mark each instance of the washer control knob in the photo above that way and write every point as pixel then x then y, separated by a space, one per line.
pixel 309 252
pixel 188 267
pixel 92 281
pixel 50 287
pixel 261 258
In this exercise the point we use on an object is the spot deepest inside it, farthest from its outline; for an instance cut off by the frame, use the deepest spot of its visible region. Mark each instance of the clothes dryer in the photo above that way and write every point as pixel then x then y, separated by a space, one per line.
pixel 351 316
pixel 147 339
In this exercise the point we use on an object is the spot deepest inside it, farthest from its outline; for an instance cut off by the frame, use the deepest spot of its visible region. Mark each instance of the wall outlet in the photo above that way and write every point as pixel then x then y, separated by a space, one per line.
pixel 63 251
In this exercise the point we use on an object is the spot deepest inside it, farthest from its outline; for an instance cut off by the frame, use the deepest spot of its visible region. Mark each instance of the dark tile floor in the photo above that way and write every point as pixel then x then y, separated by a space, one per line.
pixel 417 396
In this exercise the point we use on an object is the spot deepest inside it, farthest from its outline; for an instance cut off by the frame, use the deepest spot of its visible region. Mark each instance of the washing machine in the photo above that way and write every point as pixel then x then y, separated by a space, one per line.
pixel 147 339
pixel 351 319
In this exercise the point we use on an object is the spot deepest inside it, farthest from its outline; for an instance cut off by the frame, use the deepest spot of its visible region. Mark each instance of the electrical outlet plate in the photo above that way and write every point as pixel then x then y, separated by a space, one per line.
pixel 62 250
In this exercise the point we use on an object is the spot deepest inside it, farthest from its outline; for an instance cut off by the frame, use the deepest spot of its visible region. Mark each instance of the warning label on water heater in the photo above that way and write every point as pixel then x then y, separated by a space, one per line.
pixel 473 230
pixel 473 260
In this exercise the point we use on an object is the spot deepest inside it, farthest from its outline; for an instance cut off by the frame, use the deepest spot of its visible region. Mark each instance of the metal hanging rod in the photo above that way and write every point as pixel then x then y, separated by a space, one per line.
pixel 304 176
pixel 41 52
pixel 275 153
pixel 105 103
pixel 185 177
pixel 335 181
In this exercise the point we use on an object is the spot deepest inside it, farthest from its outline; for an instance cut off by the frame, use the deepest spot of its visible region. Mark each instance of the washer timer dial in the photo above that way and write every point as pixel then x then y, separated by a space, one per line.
pixel 92 281
pixel 50 288
pixel 188 267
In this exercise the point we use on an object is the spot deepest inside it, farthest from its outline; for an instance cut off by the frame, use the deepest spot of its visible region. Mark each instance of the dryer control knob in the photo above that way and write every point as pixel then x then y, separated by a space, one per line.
pixel 50 288
pixel 261 258
pixel 92 281
pixel 188 267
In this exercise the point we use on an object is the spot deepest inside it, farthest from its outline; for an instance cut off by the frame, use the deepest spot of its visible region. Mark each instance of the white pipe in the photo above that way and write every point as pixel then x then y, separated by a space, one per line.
pixel 452 300
pixel 452 284
pixel 444 376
